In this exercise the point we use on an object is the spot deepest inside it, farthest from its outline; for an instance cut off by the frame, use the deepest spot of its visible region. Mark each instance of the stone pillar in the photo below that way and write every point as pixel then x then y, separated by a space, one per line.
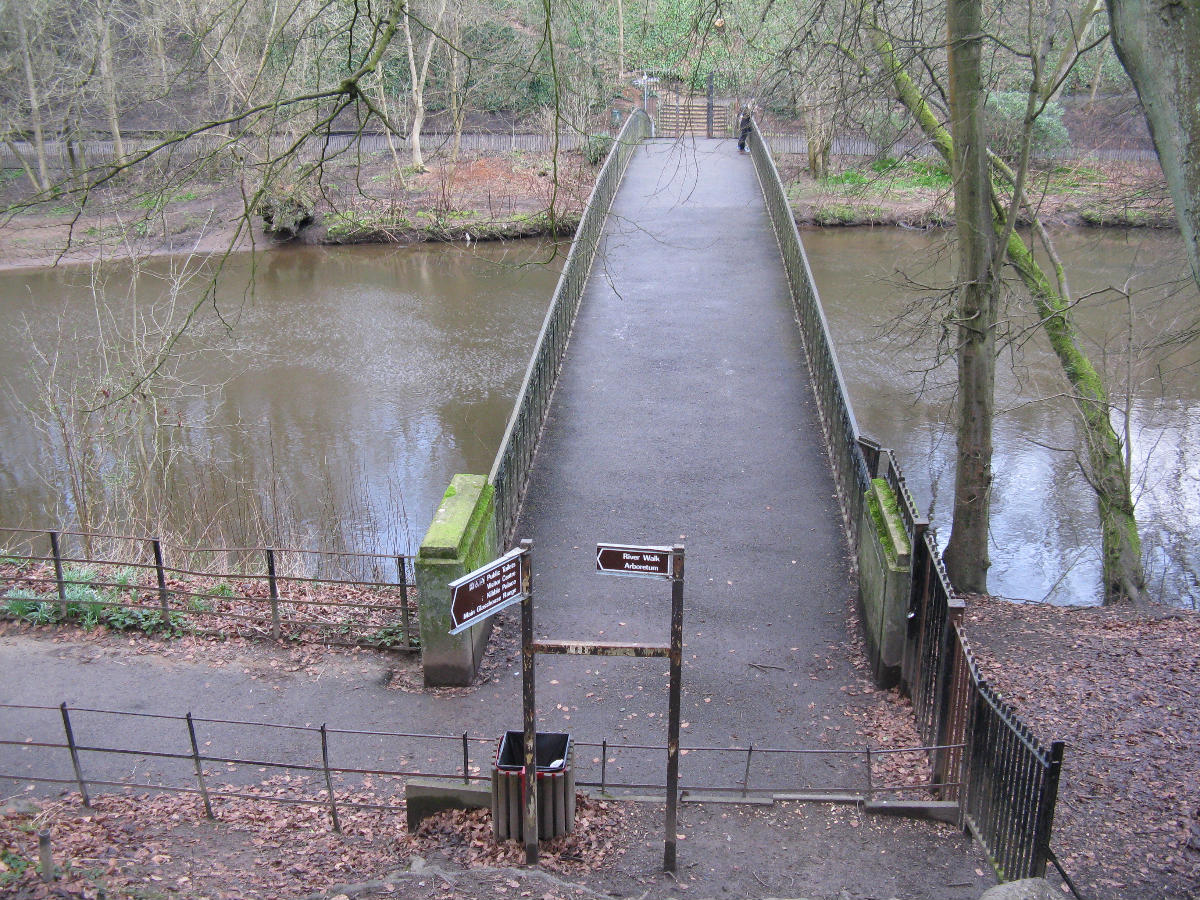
pixel 461 538
pixel 884 582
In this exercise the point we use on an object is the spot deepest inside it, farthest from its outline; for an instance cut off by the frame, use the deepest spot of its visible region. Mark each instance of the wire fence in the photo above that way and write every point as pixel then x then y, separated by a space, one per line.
pixel 225 759
pixel 84 154
pixel 76 154
pixel 126 582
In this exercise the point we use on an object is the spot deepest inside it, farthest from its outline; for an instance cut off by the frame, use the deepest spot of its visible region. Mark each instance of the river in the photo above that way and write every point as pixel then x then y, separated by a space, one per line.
pixel 1045 533
pixel 330 404
pixel 350 385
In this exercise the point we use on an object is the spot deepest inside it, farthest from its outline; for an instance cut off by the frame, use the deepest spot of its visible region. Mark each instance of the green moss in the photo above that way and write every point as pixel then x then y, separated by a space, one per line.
pixel 884 508
pixel 834 214
pixel 462 513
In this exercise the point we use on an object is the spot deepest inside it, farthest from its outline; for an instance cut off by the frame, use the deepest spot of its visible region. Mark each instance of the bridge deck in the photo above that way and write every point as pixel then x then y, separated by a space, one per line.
pixel 684 413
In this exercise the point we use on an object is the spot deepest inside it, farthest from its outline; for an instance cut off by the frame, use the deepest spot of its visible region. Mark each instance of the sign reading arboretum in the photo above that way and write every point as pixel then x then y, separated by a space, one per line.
pixel 621 559
pixel 487 590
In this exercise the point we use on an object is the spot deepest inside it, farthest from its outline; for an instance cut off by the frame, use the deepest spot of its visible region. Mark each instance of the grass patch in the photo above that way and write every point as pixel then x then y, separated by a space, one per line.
pixel 835 214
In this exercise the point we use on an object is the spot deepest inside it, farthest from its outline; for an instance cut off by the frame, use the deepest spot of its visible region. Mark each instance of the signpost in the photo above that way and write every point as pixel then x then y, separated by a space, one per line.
pixel 488 590
pixel 508 580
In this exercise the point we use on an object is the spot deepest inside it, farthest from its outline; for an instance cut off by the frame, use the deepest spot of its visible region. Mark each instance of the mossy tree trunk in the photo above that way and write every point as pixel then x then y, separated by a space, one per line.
pixel 966 554
pixel 1158 42
pixel 1107 464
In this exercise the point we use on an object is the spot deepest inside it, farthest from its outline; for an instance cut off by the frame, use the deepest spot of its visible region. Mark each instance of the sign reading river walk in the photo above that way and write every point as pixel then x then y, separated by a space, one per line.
pixel 487 590
pixel 622 559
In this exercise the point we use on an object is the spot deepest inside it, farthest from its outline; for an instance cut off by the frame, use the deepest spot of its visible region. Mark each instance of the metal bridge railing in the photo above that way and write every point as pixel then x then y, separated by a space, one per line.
pixel 850 471
pixel 1004 779
pixel 510 471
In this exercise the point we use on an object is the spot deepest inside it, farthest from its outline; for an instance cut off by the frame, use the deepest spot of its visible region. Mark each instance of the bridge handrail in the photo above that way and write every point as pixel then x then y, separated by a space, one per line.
pixel 510 471
pixel 850 470
pixel 986 758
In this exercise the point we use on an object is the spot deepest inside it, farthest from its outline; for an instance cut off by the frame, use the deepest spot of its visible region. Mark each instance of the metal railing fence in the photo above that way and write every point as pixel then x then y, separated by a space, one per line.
pixel 797 143
pixel 510 471
pixel 1010 780
pixel 983 756
pixel 211 758
pixel 127 582
pixel 850 470
pixel 94 152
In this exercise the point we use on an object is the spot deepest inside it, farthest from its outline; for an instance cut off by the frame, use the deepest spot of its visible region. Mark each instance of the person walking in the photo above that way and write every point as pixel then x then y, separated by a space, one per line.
pixel 744 125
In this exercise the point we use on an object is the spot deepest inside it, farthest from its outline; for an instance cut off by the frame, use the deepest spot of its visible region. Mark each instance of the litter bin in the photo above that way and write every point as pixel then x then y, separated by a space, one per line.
pixel 553 754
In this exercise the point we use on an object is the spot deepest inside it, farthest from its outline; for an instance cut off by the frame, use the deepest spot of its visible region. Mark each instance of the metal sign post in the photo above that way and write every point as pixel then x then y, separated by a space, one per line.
pixel 529 708
pixel 673 704
pixel 646 562
pixel 495 585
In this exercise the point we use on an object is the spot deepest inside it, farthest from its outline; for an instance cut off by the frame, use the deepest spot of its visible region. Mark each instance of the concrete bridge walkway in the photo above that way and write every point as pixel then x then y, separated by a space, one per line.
pixel 684 414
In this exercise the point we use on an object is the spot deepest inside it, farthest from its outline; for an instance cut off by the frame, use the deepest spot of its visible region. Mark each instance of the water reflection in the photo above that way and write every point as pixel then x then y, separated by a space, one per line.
pixel 353 382
pixel 1045 537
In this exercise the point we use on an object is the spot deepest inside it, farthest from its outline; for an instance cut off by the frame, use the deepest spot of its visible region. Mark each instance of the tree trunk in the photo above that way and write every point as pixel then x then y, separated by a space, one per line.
pixel 35 103
pixel 108 86
pixel 1158 42
pixel 419 78
pixel 818 130
pixel 620 38
pixel 1124 579
pixel 457 108
pixel 966 553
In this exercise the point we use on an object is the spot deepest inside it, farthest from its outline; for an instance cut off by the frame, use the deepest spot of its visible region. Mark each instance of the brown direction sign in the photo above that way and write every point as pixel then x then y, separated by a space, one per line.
pixel 622 559
pixel 487 590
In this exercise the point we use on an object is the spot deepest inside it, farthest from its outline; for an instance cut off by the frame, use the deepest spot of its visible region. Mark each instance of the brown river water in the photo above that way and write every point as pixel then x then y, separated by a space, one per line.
pixel 1045 533
pixel 331 403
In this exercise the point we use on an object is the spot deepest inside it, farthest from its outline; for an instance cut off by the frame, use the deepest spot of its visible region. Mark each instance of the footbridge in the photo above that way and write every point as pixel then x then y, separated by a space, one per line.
pixel 684 391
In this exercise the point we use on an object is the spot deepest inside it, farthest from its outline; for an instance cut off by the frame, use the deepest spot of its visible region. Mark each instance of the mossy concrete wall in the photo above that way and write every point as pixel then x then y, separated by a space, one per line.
pixel 461 538
pixel 884 583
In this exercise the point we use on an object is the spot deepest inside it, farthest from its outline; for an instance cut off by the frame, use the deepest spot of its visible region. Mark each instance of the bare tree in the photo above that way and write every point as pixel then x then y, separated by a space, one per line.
pixel 418 70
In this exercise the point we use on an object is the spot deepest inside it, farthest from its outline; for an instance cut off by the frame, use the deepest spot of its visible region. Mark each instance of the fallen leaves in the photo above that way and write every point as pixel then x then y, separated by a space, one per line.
pixel 466 837
pixel 1122 688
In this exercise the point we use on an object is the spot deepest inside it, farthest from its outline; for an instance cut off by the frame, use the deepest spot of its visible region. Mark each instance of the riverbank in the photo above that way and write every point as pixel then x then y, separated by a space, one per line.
pixel 479 197
pixel 505 196
pixel 918 193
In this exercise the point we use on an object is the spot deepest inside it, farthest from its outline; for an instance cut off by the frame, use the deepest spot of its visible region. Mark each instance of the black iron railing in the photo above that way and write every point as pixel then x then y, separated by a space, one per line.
pixel 1010 781
pixel 983 756
pixel 91 749
pixel 510 471
pixel 850 471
